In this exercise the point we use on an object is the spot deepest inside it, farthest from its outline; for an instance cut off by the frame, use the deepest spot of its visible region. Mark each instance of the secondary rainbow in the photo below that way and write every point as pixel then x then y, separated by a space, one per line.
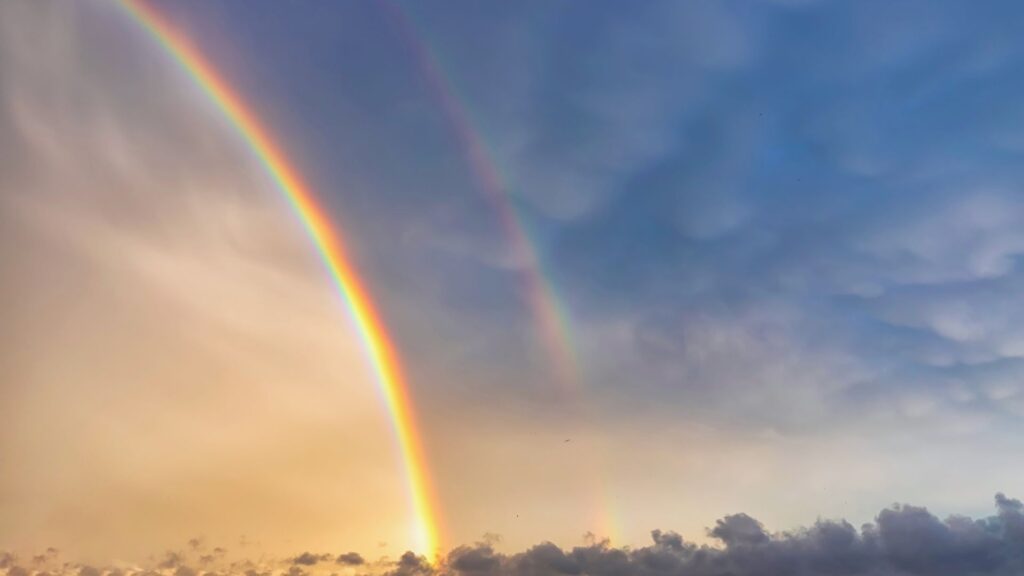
pixel 548 311
pixel 329 245
pixel 550 314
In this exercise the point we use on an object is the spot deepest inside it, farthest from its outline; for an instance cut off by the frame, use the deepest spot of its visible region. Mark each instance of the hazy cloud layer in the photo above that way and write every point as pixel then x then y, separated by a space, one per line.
pixel 166 322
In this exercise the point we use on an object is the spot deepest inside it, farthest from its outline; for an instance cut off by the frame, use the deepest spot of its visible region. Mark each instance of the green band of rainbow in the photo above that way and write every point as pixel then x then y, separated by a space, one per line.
pixel 549 311
pixel 551 315
pixel 381 352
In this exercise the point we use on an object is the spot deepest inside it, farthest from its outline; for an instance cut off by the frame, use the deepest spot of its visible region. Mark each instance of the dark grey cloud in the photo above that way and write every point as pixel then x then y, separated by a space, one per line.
pixel 476 560
pixel 411 565
pixel 739 530
pixel 350 559
pixel 903 541
pixel 306 559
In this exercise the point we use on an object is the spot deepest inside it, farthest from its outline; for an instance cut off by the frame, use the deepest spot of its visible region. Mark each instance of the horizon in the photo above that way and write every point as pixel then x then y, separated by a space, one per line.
pixel 736 544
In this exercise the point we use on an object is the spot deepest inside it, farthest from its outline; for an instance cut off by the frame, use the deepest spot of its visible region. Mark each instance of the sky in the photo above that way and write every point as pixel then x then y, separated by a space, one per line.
pixel 740 273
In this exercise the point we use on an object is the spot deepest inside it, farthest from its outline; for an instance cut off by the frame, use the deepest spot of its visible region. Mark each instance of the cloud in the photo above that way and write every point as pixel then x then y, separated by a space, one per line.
pixel 171 559
pixel 128 202
pixel 903 541
pixel 411 565
pixel 350 559
pixel 477 560
pixel 739 530
pixel 306 559
pixel 310 559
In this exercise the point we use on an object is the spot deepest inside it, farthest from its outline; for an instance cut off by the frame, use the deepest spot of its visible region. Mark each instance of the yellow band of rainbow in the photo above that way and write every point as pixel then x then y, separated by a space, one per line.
pixel 381 352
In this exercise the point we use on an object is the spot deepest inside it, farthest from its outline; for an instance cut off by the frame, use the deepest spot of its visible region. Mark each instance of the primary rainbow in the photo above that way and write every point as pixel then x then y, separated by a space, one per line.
pixel 378 346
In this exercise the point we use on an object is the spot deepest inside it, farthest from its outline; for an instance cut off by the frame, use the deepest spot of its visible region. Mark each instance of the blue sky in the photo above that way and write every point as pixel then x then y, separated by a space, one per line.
pixel 847 170
pixel 786 234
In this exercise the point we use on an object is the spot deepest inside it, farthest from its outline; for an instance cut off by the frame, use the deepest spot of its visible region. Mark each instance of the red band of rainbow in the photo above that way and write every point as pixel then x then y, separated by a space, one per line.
pixel 328 243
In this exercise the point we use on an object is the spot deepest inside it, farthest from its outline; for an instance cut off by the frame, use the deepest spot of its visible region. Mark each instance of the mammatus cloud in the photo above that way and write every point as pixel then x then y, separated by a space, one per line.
pixel 903 540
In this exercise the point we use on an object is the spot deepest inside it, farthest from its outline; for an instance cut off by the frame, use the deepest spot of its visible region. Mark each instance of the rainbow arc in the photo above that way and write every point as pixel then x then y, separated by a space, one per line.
pixel 328 242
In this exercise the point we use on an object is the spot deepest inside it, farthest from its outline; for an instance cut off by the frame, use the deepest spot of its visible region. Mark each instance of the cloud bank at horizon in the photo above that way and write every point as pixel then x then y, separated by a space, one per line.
pixel 903 540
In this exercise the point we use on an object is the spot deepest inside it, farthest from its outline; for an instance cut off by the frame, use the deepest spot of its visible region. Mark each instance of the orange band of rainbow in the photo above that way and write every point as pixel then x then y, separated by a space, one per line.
pixel 328 243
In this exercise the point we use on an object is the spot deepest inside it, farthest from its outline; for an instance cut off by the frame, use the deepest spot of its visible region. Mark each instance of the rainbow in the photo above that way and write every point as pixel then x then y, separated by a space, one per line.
pixel 550 314
pixel 328 243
